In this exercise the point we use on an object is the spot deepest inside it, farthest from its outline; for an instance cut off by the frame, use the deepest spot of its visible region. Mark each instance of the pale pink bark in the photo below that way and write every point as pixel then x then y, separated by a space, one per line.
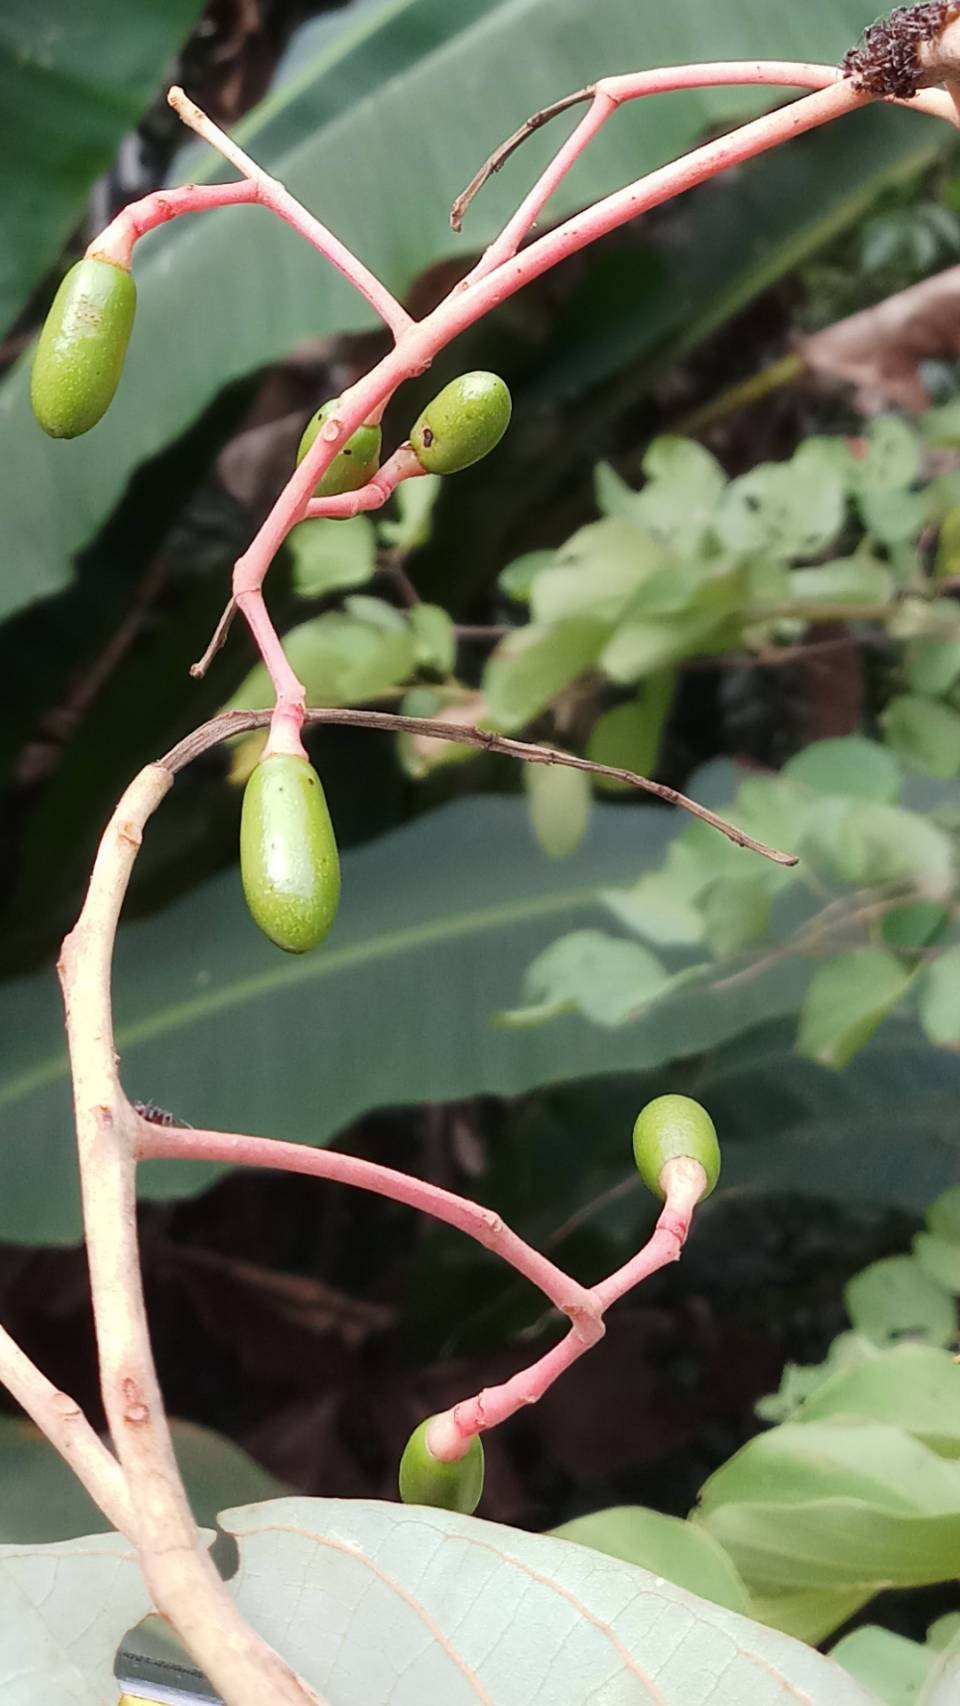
pixel 61 1419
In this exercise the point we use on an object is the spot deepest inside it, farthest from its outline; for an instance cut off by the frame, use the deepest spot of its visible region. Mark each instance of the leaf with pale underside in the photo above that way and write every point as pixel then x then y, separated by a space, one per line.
pixel 477 1613
pixel 63 1611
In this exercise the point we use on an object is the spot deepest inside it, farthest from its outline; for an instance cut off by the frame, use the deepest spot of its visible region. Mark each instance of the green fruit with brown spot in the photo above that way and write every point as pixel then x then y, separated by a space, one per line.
pixel 352 466
pixel 289 863
pixel 465 421
pixel 425 1480
pixel 80 354
pixel 673 1128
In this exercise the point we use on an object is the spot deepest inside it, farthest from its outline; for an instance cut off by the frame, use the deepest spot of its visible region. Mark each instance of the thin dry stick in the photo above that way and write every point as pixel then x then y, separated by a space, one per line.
pixel 178 1571
pixel 238 722
pixel 61 1419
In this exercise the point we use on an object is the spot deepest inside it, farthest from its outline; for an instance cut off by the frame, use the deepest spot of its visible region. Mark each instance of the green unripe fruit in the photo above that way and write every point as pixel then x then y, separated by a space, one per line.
pixel 424 1480
pixel 671 1128
pixel 81 351
pixel 352 466
pixel 289 863
pixel 465 421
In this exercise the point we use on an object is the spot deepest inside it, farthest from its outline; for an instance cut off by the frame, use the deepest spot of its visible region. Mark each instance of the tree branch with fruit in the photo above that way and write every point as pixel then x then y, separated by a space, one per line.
pixel 288 852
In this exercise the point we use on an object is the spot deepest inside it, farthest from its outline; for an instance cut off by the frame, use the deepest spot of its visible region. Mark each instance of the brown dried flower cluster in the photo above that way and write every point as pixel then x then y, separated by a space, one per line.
pixel 889 60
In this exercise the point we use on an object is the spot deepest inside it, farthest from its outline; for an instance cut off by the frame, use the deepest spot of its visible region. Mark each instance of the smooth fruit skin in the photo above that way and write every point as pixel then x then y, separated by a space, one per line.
pixel 80 355
pixel 352 466
pixel 424 1480
pixel 671 1128
pixel 465 421
pixel 289 863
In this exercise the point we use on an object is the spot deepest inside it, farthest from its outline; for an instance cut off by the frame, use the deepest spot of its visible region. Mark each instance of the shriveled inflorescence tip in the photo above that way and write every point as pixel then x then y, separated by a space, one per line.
pixel 888 60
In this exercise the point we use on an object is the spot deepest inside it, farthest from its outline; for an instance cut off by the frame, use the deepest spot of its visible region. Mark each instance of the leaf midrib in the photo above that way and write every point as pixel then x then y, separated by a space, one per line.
pixel 176 1015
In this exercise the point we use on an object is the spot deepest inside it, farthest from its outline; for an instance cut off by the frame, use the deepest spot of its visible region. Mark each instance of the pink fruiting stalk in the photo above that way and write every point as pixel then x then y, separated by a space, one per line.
pixel 499 274
pixel 140 1489
pixel 450 1434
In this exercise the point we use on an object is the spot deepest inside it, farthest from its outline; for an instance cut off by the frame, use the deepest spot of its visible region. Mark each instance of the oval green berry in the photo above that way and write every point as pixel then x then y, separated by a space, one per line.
pixel 671 1128
pixel 289 863
pixel 81 350
pixel 465 421
pixel 424 1480
pixel 352 466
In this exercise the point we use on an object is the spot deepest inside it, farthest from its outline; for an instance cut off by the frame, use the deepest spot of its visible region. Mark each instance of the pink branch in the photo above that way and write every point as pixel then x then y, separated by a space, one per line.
pixel 685 1182
pixel 403 465
pixel 61 1419
pixel 609 93
pixel 473 298
pixel 116 243
pixel 450 1432
pixel 171 1143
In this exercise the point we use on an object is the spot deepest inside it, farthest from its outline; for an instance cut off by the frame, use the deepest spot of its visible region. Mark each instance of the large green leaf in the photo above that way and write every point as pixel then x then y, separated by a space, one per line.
pixel 322 134
pixel 477 1612
pixel 73 80
pixel 914 1386
pixel 374 1604
pixel 819 1516
pixel 667 1546
pixel 438 924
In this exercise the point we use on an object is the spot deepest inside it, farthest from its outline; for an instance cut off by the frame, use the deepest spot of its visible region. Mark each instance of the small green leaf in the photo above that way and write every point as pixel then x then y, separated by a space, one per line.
pixel 532 665
pixel 943 1215
pixel 613 495
pixel 925 734
pixel 604 978
pixel 684 485
pixel 915 1387
pixel 328 555
pixel 596 573
pixel 803 1466
pixel 914 925
pixel 851 766
pixel 629 736
pixel 787 509
pixel 800 1381
pixel 847 999
pixel 679 1551
pixel 413 524
pixel 342 658
pixel 658 908
pixel 645 644
pixel 895 1299
pixel 939 1259
pixel 939 1000
pixel 516 580
pixel 434 638
pixel 851 580
pixel 892 456
pixel 559 801
pixel 933 666
pixel 895 518
pixel 865 843
pixel 944 1631
pixel 894 1668
pixel 736 912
